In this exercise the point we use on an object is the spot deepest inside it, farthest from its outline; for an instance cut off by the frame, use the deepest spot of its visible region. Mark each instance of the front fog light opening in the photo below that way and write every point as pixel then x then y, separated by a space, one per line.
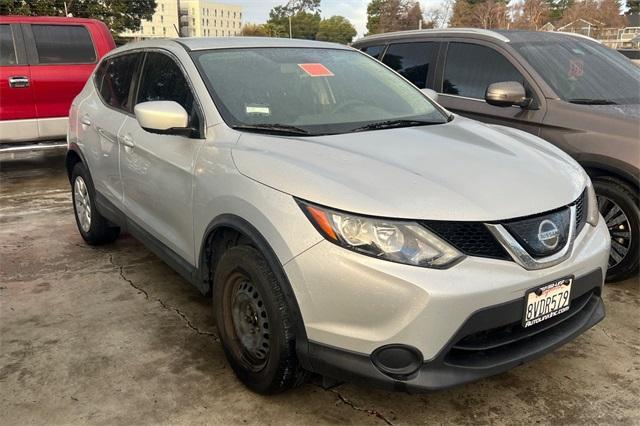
pixel 397 361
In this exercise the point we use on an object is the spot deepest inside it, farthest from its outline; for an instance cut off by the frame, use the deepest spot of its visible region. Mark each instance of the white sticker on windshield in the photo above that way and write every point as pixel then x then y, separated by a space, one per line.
pixel 257 109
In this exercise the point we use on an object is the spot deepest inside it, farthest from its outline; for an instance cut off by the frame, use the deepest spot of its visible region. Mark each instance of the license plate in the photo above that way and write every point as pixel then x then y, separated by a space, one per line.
pixel 546 302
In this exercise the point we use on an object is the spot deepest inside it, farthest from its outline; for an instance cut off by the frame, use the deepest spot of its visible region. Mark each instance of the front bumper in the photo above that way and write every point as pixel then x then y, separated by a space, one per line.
pixel 353 305
pixel 489 342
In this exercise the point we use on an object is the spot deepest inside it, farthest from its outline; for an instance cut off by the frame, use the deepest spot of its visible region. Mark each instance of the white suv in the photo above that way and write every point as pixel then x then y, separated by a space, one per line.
pixel 343 222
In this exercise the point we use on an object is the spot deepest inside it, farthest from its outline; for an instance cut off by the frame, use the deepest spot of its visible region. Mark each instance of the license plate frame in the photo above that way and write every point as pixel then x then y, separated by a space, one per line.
pixel 556 301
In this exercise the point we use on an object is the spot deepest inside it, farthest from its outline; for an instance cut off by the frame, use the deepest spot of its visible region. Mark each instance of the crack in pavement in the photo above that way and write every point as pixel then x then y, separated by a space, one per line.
pixel 618 341
pixel 349 403
pixel 162 303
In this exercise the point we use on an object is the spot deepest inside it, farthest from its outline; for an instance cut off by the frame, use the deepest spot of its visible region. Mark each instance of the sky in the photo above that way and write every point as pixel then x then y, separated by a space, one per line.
pixel 257 11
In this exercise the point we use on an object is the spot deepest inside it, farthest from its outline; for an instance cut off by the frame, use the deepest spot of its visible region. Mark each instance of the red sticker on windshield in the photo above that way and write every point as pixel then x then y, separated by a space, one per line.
pixel 316 70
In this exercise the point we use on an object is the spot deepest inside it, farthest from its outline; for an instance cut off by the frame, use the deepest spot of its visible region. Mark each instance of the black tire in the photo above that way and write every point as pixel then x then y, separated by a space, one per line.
pixel 99 231
pixel 611 190
pixel 240 271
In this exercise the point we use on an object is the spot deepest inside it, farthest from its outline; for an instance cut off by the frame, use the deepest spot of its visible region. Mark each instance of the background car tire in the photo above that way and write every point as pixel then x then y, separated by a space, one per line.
pixel 99 230
pixel 611 190
pixel 266 373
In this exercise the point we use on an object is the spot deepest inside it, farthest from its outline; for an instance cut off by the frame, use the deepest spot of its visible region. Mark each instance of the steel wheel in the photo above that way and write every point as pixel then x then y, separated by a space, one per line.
pixel 82 204
pixel 246 310
pixel 619 229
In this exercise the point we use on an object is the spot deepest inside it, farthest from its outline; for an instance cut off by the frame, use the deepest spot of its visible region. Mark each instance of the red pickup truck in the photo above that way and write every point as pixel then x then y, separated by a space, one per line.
pixel 44 64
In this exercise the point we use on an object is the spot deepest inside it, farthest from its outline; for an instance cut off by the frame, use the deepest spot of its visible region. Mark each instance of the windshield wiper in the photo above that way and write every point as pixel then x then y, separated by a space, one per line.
pixel 390 124
pixel 587 101
pixel 281 129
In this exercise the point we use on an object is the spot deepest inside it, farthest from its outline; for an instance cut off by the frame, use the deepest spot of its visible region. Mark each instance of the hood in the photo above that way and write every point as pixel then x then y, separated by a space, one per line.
pixel 631 111
pixel 462 170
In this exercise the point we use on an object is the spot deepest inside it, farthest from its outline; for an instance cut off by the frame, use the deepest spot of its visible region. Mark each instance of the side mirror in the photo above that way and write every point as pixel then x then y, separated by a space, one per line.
pixel 164 117
pixel 431 94
pixel 507 93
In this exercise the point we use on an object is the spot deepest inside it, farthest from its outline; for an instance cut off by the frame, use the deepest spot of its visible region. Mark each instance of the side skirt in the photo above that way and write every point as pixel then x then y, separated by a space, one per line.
pixel 157 247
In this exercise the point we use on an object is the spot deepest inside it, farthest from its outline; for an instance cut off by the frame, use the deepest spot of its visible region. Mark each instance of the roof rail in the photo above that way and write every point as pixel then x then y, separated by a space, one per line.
pixel 579 36
pixel 478 31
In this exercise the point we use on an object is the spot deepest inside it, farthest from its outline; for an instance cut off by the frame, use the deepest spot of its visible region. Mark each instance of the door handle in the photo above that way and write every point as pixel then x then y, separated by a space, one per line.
pixel 85 120
pixel 18 82
pixel 127 141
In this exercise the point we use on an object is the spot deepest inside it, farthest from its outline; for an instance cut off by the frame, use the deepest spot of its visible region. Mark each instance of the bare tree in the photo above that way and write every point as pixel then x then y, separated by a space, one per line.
pixel 490 14
pixel 530 14
pixel 437 17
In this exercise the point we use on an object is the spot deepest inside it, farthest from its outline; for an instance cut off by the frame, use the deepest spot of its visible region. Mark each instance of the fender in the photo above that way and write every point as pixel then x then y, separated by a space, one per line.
pixel 610 165
pixel 245 228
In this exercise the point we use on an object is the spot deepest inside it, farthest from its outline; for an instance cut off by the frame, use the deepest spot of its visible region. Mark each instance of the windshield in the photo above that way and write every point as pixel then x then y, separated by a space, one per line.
pixel 310 91
pixel 582 71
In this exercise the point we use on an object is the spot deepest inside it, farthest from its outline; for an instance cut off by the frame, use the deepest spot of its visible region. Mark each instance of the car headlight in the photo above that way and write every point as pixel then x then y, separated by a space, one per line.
pixel 593 213
pixel 396 241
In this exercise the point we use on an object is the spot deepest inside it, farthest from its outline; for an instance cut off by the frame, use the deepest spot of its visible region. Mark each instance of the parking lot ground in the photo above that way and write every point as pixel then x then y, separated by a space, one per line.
pixel 111 335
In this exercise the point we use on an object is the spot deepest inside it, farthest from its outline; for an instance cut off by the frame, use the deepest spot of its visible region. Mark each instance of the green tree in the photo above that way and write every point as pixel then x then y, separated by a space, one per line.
pixel 303 24
pixel 295 6
pixel 634 7
pixel 374 9
pixel 118 15
pixel 393 15
pixel 337 29
pixel 253 30
pixel 558 7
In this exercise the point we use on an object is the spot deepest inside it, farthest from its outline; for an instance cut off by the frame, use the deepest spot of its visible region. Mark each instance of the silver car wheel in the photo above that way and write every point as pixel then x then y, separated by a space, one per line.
pixel 82 204
pixel 619 229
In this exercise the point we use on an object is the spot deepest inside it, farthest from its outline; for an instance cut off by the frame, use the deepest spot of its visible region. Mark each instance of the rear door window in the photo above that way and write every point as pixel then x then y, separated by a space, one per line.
pixel 471 68
pixel 412 60
pixel 373 51
pixel 113 80
pixel 63 44
pixel 7 47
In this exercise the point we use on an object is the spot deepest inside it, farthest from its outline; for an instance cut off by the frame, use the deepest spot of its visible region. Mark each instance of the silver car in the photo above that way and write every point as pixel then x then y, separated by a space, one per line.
pixel 343 222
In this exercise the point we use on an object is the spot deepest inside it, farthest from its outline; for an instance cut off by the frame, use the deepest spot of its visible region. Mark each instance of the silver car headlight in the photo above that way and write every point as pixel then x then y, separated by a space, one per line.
pixel 396 241
pixel 593 213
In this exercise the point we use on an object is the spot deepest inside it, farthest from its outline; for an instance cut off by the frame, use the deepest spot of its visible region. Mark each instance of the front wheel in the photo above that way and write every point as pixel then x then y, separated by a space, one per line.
pixel 255 322
pixel 618 204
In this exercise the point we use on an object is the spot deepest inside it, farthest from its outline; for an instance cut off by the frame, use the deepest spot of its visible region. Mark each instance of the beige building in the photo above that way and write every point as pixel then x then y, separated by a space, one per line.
pixel 191 18
pixel 209 19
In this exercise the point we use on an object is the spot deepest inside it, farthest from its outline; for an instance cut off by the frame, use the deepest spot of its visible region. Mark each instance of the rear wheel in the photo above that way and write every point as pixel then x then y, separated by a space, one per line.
pixel 93 227
pixel 254 322
pixel 618 204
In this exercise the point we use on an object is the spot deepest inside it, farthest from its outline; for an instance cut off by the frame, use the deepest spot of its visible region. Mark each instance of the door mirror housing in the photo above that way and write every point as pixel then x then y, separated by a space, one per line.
pixel 164 117
pixel 432 94
pixel 507 93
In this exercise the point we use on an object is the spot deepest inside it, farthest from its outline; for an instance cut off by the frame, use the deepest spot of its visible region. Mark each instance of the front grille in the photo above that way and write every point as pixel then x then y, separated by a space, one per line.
pixel 581 211
pixel 471 238
pixel 528 232
pixel 474 239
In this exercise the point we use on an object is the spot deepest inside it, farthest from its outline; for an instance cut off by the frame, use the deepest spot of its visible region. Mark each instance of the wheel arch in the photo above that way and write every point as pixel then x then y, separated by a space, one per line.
pixel 246 233
pixel 598 165
pixel 74 156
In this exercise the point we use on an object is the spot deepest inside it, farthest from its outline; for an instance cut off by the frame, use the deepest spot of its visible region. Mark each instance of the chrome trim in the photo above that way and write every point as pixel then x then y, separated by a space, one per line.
pixel 32 147
pixel 579 36
pixel 523 258
pixel 445 31
pixel 474 99
pixel 18 82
